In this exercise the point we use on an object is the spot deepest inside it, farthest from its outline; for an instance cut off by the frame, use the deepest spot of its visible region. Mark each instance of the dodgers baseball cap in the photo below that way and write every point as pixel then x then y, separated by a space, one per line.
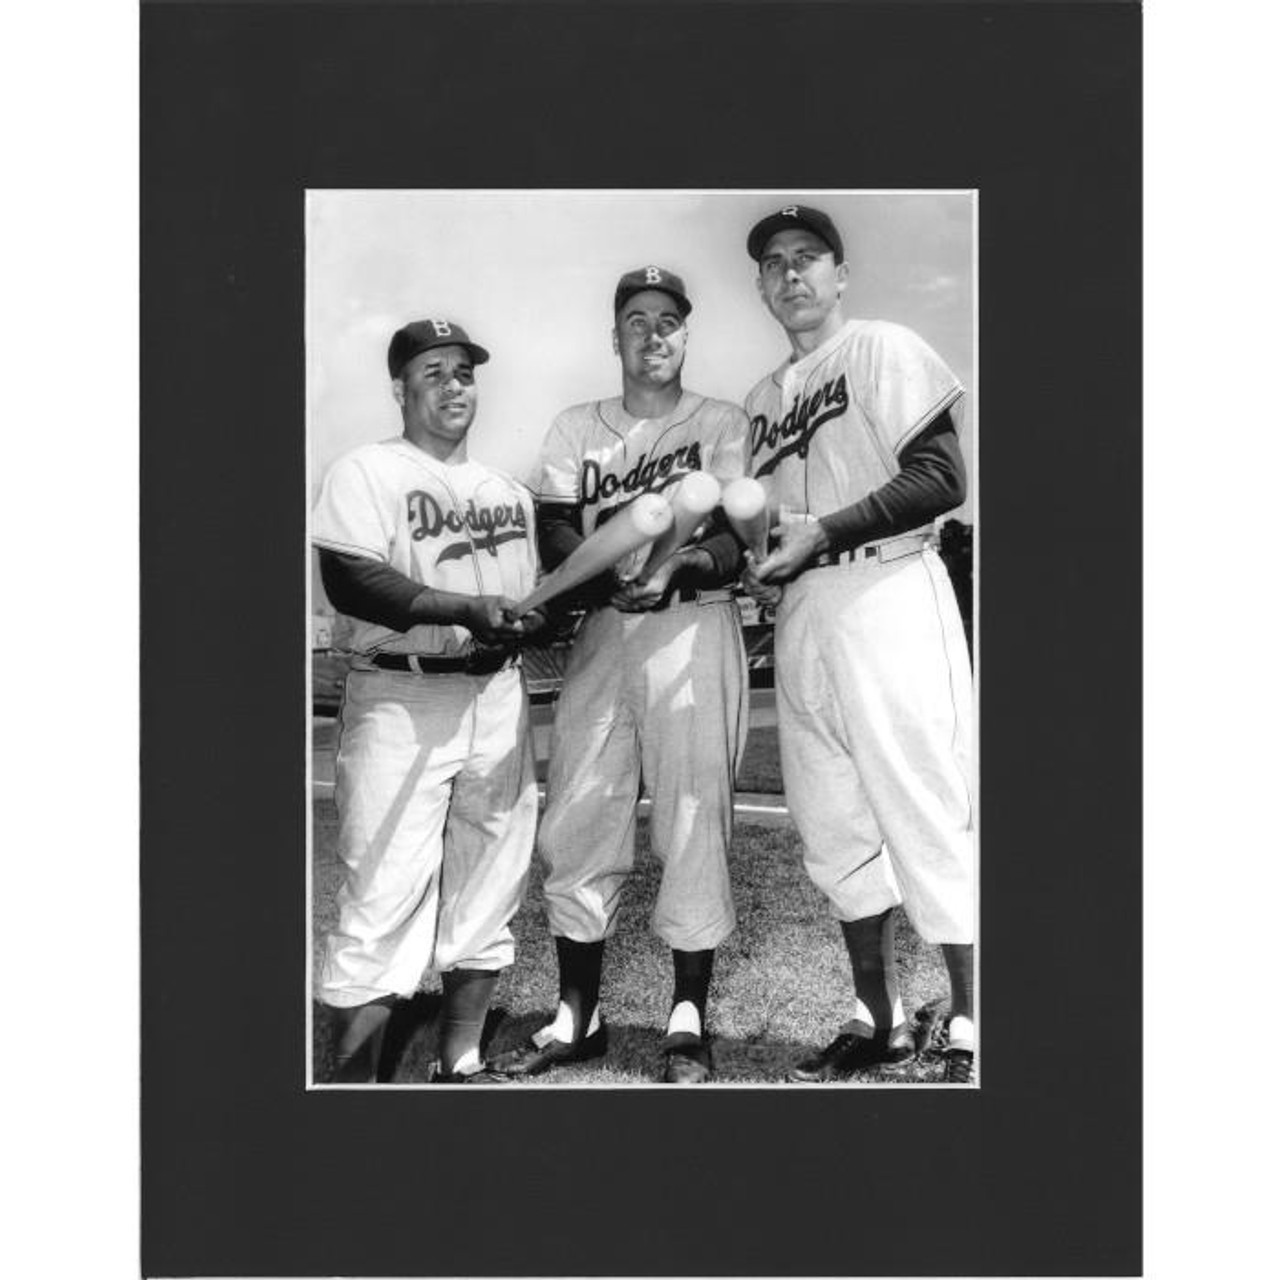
pixel 643 278
pixel 790 217
pixel 422 335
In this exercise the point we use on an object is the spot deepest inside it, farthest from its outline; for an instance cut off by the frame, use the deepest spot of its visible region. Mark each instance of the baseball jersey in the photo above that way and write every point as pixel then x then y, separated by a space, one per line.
pixel 598 455
pixel 827 429
pixel 461 527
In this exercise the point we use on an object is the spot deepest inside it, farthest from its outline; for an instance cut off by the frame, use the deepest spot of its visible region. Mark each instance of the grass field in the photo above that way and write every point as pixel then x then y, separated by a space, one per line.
pixel 759 769
pixel 781 985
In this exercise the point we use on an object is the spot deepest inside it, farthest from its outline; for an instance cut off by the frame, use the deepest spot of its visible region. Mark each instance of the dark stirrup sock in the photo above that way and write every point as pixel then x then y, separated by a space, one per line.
pixel 870 943
pixel 580 965
pixel 959 959
pixel 693 979
pixel 358 1033
pixel 467 993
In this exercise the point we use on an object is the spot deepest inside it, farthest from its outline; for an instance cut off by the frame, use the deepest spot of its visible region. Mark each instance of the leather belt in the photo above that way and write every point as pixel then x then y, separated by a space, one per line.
pixel 887 551
pixel 483 662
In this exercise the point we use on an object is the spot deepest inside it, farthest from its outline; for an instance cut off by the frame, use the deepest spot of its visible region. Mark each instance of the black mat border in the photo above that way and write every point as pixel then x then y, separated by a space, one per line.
pixel 245 106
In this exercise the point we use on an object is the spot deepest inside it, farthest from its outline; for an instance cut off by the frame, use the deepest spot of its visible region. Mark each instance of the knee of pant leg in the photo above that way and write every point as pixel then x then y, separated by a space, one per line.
pixel 584 909
pixel 866 889
pixel 496 953
pixel 687 932
pixel 941 908
pixel 941 929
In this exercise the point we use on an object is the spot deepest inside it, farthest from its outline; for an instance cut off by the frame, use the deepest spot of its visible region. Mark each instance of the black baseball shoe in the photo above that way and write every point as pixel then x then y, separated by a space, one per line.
pixel 958 1067
pixel 848 1053
pixel 532 1060
pixel 686 1059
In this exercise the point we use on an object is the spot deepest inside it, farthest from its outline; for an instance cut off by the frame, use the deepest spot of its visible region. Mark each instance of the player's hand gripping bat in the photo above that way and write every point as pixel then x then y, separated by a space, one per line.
pixel 640 521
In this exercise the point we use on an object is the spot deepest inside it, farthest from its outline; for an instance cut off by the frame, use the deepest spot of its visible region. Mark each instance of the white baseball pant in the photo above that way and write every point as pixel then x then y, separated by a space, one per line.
pixel 874 725
pixel 663 697
pixel 437 807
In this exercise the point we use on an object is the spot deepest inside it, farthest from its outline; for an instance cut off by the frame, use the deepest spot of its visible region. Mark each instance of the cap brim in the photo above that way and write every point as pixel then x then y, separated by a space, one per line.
pixel 683 305
pixel 477 353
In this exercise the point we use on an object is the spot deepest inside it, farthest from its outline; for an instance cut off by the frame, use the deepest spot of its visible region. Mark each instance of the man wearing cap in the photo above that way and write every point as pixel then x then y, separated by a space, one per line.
pixel 423 552
pixel 855 438
pixel 655 693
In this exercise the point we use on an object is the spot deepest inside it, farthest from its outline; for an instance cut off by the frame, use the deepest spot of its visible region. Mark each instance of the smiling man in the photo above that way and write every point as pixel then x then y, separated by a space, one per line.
pixel 423 552
pixel 655 693
pixel 854 436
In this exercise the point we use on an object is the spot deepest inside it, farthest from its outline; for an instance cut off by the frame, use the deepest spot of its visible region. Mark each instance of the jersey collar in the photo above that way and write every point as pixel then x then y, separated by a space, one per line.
pixel 411 451
pixel 617 419
pixel 787 372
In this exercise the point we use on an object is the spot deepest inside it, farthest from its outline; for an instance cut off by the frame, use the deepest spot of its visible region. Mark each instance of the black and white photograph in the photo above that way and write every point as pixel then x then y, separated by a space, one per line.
pixel 642 637
pixel 640 698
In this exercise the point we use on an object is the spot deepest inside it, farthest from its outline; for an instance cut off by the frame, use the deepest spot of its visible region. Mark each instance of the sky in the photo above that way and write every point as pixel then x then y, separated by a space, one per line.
pixel 530 275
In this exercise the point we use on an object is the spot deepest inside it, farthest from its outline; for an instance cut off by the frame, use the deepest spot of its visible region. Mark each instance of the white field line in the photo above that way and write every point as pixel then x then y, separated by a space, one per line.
pixel 740 806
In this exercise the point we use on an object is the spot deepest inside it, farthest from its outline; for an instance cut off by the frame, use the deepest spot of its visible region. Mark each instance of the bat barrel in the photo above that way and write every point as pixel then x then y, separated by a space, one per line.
pixel 694 499
pixel 640 521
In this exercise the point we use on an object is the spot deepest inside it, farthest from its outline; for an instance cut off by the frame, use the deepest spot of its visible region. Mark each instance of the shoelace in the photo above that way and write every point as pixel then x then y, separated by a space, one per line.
pixel 959 1069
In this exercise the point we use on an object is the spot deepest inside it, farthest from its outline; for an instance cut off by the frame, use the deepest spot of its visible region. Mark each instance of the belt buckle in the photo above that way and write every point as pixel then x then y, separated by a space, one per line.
pixel 900 548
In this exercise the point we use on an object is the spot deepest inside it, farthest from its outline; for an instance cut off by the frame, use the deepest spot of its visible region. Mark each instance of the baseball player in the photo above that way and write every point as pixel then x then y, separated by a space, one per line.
pixel 424 551
pixel 854 435
pixel 655 692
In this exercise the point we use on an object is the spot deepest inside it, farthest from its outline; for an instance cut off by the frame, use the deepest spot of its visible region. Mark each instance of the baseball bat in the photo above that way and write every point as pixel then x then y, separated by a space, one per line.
pixel 695 496
pixel 746 505
pixel 638 522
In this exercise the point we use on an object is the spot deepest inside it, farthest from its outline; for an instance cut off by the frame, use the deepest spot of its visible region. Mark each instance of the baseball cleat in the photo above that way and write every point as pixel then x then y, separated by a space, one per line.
pixel 958 1068
pixel 686 1059
pixel 532 1060
pixel 927 1026
pixel 848 1053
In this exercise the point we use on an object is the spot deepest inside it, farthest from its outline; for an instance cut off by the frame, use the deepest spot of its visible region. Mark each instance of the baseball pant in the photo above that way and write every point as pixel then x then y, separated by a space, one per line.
pixel 437 806
pixel 874 726
pixel 662 698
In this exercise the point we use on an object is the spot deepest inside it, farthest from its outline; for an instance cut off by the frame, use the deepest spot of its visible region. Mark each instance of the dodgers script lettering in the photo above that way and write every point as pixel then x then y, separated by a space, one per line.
pixel 487 526
pixel 793 433
pixel 597 486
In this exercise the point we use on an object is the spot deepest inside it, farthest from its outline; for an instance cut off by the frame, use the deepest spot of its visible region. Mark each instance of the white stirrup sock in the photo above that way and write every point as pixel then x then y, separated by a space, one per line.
pixel 684 1019
pixel 862 1014
pixel 562 1027
pixel 468 1064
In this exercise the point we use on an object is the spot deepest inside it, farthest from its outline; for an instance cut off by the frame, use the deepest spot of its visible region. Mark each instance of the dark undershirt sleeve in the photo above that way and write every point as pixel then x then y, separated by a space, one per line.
pixel 369 590
pixel 559 532
pixel 722 545
pixel 559 535
pixel 931 481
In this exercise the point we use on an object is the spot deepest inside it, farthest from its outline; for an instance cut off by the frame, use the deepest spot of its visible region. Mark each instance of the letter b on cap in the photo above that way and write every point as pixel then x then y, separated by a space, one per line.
pixel 652 275
pixel 441 327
